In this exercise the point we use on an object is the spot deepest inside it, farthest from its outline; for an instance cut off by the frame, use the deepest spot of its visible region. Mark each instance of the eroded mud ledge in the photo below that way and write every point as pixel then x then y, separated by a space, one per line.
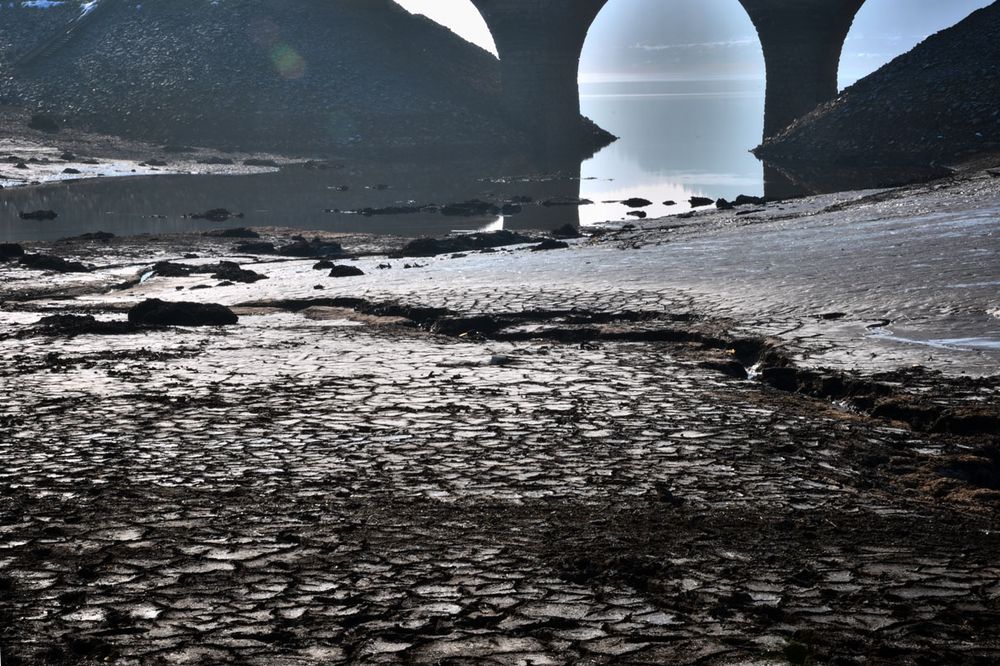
pixel 512 456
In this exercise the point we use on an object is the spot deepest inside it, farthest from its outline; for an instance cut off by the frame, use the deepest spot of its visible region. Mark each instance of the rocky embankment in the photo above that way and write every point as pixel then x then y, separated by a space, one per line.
pixel 936 104
pixel 254 74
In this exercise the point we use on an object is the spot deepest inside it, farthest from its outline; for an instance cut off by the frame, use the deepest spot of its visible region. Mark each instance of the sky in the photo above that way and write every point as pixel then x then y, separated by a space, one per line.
pixel 699 39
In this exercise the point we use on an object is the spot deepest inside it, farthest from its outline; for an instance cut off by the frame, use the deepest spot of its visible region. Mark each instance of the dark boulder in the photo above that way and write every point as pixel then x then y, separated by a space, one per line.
pixel 723 204
pixel 47 262
pixel 566 231
pixel 170 269
pixel 345 271
pixel 9 251
pixel 550 244
pixel 42 215
pixel 154 312
pixel 429 247
pixel 224 270
pixel 227 270
pixel 698 202
pixel 323 265
pixel 747 200
pixel 637 202
pixel 640 214
pixel 68 324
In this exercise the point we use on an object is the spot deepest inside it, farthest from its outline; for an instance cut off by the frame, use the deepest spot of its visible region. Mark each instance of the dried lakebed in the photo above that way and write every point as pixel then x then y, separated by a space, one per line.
pixel 517 457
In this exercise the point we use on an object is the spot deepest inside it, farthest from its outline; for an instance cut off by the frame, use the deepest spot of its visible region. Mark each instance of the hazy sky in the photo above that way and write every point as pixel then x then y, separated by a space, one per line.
pixel 714 38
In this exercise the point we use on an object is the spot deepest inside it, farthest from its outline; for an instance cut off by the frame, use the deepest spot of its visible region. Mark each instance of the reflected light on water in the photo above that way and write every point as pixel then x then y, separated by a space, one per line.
pixel 677 139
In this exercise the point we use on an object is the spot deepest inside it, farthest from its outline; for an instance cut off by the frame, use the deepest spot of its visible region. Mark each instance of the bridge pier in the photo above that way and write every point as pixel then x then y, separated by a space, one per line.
pixel 802 42
pixel 539 44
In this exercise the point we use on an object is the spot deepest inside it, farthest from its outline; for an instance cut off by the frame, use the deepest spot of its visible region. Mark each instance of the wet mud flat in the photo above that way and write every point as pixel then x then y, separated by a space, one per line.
pixel 587 454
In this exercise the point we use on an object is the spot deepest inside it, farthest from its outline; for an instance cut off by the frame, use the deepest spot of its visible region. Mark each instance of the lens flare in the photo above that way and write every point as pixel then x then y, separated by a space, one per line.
pixel 289 63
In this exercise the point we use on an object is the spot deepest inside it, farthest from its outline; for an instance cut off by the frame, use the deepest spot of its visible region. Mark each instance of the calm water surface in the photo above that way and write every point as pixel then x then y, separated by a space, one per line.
pixel 677 139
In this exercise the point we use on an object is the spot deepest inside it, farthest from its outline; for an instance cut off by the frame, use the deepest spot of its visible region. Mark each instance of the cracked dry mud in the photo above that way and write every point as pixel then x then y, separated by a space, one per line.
pixel 327 485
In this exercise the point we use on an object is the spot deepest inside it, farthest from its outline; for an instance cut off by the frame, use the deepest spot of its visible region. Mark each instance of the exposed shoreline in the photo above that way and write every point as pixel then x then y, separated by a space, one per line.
pixel 721 424
pixel 517 454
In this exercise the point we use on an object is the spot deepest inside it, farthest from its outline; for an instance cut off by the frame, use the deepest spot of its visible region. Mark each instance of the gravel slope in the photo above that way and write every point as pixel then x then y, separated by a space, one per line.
pixel 254 74
pixel 939 103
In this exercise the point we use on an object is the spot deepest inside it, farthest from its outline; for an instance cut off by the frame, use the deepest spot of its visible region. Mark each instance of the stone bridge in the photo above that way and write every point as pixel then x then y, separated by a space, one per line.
pixel 539 42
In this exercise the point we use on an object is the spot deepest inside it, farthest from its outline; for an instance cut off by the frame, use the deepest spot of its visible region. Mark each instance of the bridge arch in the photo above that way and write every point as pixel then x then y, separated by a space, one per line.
pixel 539 44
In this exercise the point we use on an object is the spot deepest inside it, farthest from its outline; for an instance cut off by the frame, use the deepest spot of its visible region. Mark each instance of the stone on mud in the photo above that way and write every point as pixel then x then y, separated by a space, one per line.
pixel 747 200
pixel 68 324
pixel 227 270
pixel 637 202
pixel 154 312
pixel 9 251
pixel 170 269
pixel 47 262
pixel 345 271
pixel 550 244
pixel 429 247
pixel 567 231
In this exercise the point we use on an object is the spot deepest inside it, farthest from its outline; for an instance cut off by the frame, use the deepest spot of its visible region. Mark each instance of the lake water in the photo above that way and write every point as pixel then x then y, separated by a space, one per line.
pixel 677 139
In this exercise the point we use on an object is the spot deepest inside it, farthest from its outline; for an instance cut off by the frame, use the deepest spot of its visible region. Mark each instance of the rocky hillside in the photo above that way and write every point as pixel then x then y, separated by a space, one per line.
pixel 308 75
pixel 939 103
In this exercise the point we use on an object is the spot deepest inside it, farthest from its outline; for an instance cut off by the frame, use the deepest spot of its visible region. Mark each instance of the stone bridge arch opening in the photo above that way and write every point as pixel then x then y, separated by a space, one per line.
pixel 643 47
pixel 539 43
